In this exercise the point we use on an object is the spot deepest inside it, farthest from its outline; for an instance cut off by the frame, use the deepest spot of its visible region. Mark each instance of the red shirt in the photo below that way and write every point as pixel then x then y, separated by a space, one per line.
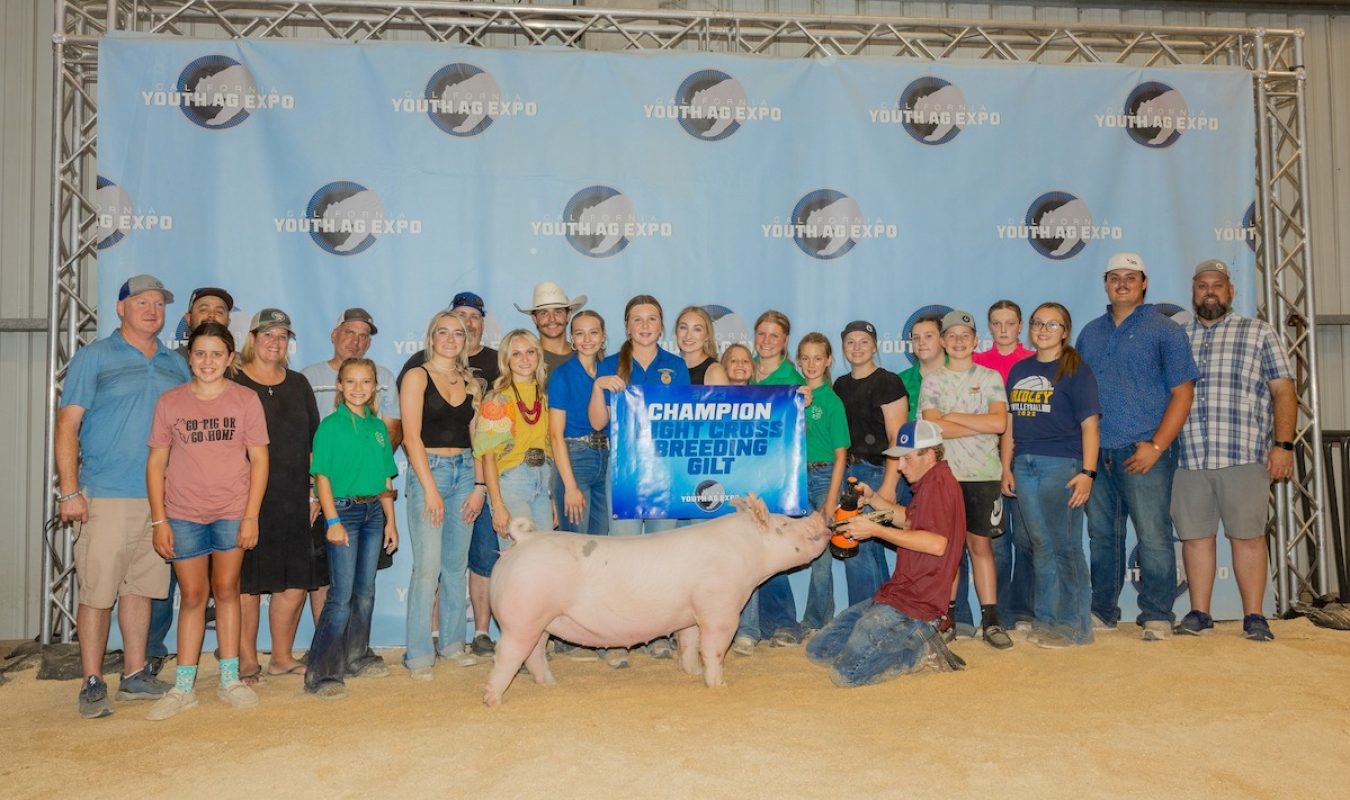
pixel 1000 363
pixel 921 587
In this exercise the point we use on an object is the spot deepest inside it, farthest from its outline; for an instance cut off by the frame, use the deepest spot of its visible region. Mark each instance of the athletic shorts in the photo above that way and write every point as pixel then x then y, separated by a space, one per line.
pixel 984 508
pixel 114 553
pixel 1238 496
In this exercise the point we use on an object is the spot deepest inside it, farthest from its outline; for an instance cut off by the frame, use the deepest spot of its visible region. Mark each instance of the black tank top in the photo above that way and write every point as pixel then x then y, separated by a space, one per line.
pixel 444 425
pixel 696 373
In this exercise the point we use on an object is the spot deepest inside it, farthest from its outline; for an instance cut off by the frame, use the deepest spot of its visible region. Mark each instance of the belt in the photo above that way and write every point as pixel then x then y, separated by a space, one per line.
pixel 875 461
pixel 819 464
pixel 392 494
pixel 534 457
pixel 595 441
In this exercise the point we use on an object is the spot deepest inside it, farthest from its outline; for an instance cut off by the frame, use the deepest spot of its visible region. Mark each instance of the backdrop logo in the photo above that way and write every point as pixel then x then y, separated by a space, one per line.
pixel 1058 225
pixel 710 495
pixel 463 100
pixel 728 326
pixel 933 111
pixel 117 215
pixel 1246 232
pixel 1155 115
pixel 217 92
pixel 905 330
pixel 345 218
pixel 711 105
pixel 600 221
pixel 1135 573
pixel 827 223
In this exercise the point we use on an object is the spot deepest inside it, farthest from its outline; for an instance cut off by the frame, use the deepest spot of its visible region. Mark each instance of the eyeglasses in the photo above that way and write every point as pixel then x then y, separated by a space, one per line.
pixel 1049 325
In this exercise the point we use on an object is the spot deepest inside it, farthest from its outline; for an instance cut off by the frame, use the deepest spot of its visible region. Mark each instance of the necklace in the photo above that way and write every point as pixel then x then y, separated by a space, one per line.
pixel 532 413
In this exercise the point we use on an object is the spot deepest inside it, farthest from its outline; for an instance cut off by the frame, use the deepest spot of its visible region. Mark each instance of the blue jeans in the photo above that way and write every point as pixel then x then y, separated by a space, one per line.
pixel 197 539
pixel 1063 591
pixel 161 619
pixel 343 630
pixel 820 593
pixel 868 643
pixel 1145 500
pixel 590 470
pixel 484 547
pixel 865 572
pixel 440 558
pixel 1015 567
pixel 525 493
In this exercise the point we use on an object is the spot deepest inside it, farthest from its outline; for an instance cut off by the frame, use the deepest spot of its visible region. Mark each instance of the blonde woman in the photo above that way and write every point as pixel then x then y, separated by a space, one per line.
pixel 511 436
pixel 438 404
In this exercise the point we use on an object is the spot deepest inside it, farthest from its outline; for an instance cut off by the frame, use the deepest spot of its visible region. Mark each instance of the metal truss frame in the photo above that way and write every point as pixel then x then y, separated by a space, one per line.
pixel 1274 56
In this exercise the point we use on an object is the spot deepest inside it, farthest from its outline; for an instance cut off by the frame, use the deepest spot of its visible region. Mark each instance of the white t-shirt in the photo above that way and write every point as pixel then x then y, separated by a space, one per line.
pixel 324 380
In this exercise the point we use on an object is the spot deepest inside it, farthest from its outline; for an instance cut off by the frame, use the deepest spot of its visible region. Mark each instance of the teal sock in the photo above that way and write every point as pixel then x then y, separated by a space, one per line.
pixel 229 671
pixel 184 678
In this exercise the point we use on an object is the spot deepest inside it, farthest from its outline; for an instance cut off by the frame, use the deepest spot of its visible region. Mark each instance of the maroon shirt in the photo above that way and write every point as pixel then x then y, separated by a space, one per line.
pixel 921 587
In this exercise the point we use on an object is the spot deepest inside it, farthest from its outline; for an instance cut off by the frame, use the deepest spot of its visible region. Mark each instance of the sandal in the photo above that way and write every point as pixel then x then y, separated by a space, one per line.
pixel 298 669
pixel 252 678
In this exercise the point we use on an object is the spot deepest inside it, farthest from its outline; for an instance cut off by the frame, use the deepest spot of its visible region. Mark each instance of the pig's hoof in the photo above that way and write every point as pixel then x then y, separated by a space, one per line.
pixel 546 680
pixel 491 698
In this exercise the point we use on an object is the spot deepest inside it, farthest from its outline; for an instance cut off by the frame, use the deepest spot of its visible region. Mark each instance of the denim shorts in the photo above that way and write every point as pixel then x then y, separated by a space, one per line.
pixel 193 539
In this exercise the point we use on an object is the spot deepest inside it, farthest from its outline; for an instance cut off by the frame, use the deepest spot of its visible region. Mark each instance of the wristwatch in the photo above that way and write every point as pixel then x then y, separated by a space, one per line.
pixel 1283 445
pixel 1091 473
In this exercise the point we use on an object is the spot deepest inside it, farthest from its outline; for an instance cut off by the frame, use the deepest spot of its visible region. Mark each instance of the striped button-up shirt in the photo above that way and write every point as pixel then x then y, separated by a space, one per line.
pixel 1230 422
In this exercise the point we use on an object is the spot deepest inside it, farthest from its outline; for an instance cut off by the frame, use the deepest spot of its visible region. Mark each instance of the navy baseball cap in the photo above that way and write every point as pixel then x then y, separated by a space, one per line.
pixel 470 300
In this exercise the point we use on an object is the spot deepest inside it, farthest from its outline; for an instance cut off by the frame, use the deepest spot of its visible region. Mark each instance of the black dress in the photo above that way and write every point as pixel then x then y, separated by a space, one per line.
pixel 287 556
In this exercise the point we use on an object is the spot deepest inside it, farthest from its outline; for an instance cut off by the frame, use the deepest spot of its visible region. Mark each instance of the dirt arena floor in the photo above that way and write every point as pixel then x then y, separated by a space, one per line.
pixel 1213 717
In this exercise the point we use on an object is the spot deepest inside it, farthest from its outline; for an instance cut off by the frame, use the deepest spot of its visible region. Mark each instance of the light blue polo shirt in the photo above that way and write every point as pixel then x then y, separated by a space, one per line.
pixel 1137 364
pixel 117 386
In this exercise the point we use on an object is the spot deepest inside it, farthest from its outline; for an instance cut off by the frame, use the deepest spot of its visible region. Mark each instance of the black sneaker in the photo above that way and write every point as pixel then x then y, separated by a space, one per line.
pixel 94 698
pixel 482 646
pixel 156 664
pixel 1195 623
pixel 1255 627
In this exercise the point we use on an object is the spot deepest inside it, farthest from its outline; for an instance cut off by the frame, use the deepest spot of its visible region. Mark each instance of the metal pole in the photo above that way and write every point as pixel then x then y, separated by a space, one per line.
pixel 49 535
pixel 1310 314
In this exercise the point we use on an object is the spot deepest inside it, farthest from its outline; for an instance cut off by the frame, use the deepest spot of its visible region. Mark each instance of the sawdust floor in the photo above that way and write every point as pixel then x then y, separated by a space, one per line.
pixel 1213 717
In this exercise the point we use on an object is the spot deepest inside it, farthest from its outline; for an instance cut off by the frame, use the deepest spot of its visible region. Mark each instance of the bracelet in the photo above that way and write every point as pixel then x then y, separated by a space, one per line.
pixel 328 523
pixel 158 522
pixel 63 498
pixel 249 519
pixel 1091 473
pixel 480 483
pixel 1283 445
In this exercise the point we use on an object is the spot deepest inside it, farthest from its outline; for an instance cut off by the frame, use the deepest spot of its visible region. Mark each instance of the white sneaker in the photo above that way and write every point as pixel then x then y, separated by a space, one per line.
pixel 743 646
pixel 420 673
pixel 1156 630
pixel 1099 624
pixel 237 695
pixel 462 659
pixel 170 704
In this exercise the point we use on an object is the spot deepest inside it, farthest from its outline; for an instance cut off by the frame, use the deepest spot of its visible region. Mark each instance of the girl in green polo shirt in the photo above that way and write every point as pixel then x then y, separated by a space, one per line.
pixel 353 467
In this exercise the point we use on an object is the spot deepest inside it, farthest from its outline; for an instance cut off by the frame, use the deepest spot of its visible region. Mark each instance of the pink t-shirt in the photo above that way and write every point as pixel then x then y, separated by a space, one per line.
pixel 1000 363
pixel 208 441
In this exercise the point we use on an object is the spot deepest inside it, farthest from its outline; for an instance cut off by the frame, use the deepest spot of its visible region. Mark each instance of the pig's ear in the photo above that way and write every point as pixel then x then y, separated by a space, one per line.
pixel 753 505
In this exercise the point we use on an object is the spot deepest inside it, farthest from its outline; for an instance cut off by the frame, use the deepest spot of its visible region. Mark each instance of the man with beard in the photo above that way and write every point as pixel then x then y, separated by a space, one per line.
pixel 551 310
pixel 1237 439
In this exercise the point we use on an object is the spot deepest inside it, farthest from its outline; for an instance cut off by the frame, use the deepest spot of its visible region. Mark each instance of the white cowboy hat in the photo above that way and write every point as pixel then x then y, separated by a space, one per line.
pixel 550 295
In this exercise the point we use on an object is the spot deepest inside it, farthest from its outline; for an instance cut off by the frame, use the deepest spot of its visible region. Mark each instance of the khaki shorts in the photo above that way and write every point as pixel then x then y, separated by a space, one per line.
pixel 1238 496
pixel 114 555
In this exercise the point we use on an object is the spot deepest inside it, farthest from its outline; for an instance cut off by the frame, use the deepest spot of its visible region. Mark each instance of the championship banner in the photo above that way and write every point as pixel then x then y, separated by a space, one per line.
pixel 316 175
pixel 684 452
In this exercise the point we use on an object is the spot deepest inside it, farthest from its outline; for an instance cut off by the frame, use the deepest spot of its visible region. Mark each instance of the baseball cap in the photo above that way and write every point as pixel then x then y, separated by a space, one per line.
pixel 469 300
pixel 1212 265
pixel 269 318
pixel 957 317
pixel 137 284
pixel 1126 261
pixel 211 291
pixel 915 435
pixel 859 325
pixel 358 315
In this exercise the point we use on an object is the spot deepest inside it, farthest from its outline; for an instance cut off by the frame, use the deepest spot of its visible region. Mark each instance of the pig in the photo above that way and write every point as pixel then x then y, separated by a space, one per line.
pixel 599 591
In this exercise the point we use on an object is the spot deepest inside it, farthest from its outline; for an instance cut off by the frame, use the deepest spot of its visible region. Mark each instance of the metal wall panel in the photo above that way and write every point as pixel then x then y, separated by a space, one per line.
pixel 25 133
pixel 25 89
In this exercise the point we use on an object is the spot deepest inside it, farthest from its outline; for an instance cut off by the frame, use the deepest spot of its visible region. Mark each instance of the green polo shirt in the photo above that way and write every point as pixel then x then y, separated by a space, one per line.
pixel 826 425
pixel 353 453
pixel 785 375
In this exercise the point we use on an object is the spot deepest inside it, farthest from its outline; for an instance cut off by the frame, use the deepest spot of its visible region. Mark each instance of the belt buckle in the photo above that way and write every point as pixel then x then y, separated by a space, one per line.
pixel 597 441
pixel 534 457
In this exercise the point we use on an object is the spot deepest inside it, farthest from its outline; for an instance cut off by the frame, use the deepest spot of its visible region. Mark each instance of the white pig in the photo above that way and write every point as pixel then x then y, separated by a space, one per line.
pixel 601 591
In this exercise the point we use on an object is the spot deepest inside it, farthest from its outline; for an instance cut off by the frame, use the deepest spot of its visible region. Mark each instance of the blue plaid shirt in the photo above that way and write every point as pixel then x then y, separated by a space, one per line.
pixel 1231 419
